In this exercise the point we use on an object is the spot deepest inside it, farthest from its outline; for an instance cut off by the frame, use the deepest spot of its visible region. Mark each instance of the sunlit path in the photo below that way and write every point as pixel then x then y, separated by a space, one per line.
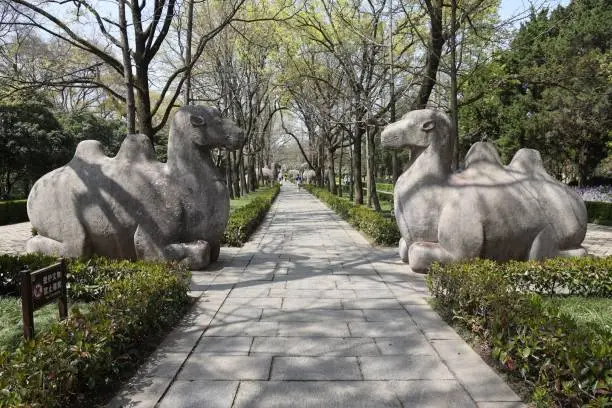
pixel 309 314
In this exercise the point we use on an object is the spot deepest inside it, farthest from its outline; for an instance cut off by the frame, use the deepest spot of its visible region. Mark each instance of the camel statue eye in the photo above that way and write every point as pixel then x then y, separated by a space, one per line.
pixel 427 126
pixel 197 121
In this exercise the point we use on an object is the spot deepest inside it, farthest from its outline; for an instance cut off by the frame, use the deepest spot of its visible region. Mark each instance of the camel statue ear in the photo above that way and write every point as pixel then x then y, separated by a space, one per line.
pixel 197 121
pixel 427 126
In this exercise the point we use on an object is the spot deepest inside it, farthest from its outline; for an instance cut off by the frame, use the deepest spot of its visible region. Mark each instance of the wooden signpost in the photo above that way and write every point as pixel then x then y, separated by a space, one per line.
pixel 40 288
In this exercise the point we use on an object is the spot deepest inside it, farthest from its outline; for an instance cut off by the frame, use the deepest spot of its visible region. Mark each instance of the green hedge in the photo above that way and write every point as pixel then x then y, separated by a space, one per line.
pixel 383 230
pixel 563 364
pixel 11 265
pixel 599 212
pixel 582 276
pixel 245 220
pixel 77 359
pixel 12 212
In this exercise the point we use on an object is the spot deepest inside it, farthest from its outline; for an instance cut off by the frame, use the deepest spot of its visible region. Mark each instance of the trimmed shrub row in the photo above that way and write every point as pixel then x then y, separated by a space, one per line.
pixel 77 359
pixel 564 365
pixel 581 276
pixel 599 212
pixel 383 230
pixel 383 194
pixel 11 265
pixel 245 220
pixel 12 212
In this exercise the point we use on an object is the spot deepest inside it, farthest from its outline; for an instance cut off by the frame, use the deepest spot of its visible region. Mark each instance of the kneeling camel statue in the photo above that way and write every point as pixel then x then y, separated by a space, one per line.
pixel 487 210
pixel 133 206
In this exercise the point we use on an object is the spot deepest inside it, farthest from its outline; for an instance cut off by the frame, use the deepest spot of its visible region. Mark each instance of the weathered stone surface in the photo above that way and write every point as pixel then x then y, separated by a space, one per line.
pixel 315 394
pixel 140 392
pixel 209 394
pixel 315 368
pixel 488 210
pixel 314 346
pixel 225 367
pixel 132 205
pixel 404 367
pixel 427 393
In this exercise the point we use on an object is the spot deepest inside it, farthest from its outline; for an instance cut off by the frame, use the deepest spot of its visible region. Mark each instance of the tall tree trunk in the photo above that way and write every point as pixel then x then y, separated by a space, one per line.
pixel 453 79
pixel 434 50
pixel 340 181
pixel 241 174
pixel 352 181
pixel 394 160
pixel 128 79
pixel 143 102
pixel 187 89
pixel 236 178
pixel 357 183
pixel 373 196
pixel 228 173
pixel 321 165
pixel 331 172
pixel 252 173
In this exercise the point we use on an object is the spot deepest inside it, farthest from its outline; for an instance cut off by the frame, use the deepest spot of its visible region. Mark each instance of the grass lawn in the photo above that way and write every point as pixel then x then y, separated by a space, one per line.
pixel 385 206
pixel 244 200
pixel 596 311
pixel 11 330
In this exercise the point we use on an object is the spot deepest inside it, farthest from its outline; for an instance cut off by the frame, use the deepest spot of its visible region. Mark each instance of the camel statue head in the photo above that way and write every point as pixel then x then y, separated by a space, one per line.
pixel 419 130
pixel 205 128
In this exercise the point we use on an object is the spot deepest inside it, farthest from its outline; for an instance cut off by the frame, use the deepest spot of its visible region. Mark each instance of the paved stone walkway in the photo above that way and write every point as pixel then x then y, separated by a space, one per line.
pixel 308 314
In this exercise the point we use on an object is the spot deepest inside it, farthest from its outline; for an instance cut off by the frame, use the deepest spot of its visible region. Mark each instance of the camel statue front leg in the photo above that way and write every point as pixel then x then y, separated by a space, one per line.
pixel 403 250
pixel 422 254
pixel 215 251
pixel 196 255
pixel 75 245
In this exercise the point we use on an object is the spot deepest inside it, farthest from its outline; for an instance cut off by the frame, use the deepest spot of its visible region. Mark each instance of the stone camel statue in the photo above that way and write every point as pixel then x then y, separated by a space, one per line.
pixel 487 210
pixel 133 206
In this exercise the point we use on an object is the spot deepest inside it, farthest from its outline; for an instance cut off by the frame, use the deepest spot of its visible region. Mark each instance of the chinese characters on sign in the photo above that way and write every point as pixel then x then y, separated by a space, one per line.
pixel 40 288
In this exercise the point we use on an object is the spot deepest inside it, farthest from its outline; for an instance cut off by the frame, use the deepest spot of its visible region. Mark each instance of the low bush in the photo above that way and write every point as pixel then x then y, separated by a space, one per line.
pixel 12 212
pixel 77 359
pixel 599 212
pixel 383 230
pixel 582 276
pixel 245 220
pixel 385 187
pixel 11 265
pixel 564 364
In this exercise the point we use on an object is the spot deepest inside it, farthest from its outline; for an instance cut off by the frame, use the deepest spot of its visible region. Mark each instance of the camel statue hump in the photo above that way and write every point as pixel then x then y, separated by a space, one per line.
pixel 528 161
pixel 482 152
pixel 89 150
pixel 136 147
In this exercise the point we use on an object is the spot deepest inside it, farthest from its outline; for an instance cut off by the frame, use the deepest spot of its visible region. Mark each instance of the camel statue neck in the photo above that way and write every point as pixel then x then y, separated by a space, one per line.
pixel 181 158
pixel 434 163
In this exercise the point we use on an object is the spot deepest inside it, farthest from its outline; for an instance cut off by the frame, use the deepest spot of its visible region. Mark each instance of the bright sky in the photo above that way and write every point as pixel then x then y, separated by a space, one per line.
pixel 511 8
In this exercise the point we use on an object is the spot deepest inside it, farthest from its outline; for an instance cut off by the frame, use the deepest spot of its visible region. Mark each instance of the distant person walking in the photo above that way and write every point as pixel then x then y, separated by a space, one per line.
pixel 298 181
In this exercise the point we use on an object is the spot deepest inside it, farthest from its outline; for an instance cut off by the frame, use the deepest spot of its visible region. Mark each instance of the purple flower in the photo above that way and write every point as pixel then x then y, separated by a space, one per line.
pixel 598 193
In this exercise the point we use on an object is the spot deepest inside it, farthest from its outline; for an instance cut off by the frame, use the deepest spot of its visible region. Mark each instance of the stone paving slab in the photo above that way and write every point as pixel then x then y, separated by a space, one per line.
pixel 211 367
pixel 315 394
pixel 314 346
pixel 404 367
pixel 191 394
pixel 309 314
pixel 315 368
pixel 427 393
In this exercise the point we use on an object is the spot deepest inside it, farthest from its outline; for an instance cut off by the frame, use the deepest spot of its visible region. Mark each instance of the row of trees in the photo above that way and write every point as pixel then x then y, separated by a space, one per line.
pixel 327 75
